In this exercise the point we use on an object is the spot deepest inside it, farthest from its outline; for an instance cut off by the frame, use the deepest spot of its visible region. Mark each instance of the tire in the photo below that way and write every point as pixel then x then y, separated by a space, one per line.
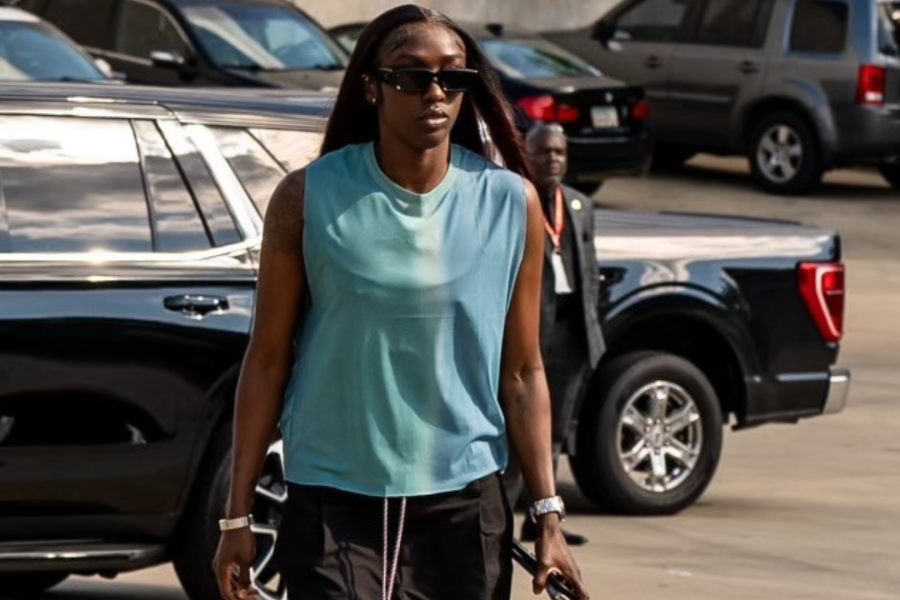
pixel 670 156
pixel 198 536
pixel 24 585
pixel 891 172
pixel 609 427
pixel 784 154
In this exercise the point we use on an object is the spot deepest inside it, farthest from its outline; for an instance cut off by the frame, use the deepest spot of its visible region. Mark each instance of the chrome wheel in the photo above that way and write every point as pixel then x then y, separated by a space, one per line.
pixel 779 154
pixel 268 508
pixel 660 436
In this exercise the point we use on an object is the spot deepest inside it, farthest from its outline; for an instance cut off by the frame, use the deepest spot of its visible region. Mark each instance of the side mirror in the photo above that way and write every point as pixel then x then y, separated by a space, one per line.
pixel 603 31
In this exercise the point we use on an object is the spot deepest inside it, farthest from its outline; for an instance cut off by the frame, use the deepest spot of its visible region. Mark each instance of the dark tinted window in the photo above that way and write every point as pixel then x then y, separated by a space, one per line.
pixel 72 185
pixel 144 29
pixel 205 191
pixel 292 149
pixel 819 26
pixel 88 22
pixel 268 36
pixel 534 58
pixel 257 171
pixel 177 225
pixel 652 21
pixel 734 22
pixel 36 52
pixel 889 28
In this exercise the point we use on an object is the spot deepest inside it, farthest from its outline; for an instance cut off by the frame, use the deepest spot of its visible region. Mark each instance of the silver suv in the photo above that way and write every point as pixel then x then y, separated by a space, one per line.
pixel 799 86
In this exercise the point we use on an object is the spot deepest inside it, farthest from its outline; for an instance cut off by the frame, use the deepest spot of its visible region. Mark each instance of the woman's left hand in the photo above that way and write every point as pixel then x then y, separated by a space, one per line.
pixel 553 555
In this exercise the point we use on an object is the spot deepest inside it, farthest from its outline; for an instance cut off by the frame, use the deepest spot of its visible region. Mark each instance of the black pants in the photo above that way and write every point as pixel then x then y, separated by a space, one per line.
pixel 567 364
pixel 456 545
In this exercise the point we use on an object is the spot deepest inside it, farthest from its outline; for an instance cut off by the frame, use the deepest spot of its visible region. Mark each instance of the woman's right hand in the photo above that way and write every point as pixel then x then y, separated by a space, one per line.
pixel 237 549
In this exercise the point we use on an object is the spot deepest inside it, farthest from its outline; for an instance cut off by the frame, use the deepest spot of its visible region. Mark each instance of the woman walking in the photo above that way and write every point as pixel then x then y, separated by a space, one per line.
pixel 396 336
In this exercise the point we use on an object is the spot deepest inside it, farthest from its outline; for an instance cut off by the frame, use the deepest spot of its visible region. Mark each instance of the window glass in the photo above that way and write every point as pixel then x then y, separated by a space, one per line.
pixel 209 198
pixel 829 32
pixel 177 225
pixel 292 149
pixel 35 52
pixel 889 28
pixel 534 58
pixel 250 35
pixel 257 171
pixel 652 21
pixel 730 22
pixel 69 15
pixel 72 185
pixel 144 29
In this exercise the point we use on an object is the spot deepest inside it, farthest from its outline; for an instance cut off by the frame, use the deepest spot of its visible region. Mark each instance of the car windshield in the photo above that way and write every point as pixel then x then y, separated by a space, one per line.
pixel 35 52
pixel 534 58
pixel 240 35
pixel 889 28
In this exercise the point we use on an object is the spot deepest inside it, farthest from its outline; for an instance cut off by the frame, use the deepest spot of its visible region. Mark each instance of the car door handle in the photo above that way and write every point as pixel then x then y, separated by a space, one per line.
pixel 196 304
pixel 747 67
pixel 653 62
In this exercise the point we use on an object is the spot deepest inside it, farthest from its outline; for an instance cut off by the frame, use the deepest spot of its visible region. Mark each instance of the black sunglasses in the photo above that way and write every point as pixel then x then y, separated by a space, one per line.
pixel 418 80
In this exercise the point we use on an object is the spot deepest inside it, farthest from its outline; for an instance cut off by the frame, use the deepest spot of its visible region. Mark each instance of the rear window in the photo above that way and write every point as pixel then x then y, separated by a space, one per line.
pixel 534 59
pixel 828 35
pixel 735 22
pixel 889 28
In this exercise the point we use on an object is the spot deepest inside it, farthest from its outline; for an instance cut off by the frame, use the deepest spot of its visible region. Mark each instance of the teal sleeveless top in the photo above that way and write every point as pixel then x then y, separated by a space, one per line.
pixel 395 389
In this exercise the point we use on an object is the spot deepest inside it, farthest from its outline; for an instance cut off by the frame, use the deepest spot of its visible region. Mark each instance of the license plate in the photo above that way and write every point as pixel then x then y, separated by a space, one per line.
pixel 604 117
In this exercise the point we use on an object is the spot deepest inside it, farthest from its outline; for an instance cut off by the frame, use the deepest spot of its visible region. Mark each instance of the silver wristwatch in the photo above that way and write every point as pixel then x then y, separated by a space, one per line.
pixel 548 505
pixel 239 523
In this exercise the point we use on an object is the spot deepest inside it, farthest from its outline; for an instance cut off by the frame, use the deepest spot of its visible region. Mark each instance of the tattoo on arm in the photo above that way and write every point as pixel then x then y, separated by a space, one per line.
pixel 284 217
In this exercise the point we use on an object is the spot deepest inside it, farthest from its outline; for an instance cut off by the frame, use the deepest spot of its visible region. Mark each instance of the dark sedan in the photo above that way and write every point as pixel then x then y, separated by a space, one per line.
pixel 254 43
pixel 604 119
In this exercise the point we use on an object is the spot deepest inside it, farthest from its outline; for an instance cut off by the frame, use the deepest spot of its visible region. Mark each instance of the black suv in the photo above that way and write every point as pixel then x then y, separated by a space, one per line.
pixel 130 222
pixel 799 86
pixel 256 43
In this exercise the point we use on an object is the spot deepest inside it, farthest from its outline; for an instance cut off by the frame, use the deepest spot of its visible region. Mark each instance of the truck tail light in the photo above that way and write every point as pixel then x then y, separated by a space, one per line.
pixel 870 87
pixel 822 287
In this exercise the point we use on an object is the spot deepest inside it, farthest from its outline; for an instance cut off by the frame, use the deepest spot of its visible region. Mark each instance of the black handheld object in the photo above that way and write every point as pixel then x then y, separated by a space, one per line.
pixel 557 587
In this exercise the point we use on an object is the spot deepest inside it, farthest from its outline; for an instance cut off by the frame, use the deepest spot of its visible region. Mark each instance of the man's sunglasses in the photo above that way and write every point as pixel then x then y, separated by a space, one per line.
pixel 416 80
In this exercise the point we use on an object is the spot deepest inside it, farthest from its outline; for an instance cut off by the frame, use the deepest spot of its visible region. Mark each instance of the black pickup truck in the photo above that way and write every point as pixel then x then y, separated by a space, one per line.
pixel 130 221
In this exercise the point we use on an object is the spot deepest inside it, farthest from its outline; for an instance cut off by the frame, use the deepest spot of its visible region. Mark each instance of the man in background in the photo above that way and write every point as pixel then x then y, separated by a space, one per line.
pixel 571 340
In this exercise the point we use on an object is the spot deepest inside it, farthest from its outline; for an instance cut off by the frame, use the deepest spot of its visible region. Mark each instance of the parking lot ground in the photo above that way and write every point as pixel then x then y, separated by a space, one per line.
pixel 796 512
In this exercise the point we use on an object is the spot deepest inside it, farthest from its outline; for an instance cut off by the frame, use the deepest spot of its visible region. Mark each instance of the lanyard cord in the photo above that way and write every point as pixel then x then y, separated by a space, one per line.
pixel 387 583
pixel 559 222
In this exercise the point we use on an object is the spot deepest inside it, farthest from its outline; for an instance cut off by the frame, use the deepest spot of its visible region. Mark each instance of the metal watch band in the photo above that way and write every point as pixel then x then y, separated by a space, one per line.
pixel 239 523
pixel 548 505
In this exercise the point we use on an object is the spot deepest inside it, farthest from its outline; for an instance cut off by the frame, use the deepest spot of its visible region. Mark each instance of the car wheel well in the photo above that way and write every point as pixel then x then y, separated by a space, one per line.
pixel 773 105
pixel 695 341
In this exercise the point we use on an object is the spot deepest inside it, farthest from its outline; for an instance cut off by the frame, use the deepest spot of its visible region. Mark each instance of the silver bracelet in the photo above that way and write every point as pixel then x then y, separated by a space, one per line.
pixel 239 523
pixel 548 505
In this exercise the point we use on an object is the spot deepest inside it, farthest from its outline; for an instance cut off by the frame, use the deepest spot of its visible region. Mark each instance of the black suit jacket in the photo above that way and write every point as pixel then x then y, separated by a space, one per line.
pixel 579 216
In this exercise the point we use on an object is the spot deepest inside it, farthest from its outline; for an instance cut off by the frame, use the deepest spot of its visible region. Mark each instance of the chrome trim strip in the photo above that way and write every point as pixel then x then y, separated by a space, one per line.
pixel 133 257
pixel 105 552
pixel 838 391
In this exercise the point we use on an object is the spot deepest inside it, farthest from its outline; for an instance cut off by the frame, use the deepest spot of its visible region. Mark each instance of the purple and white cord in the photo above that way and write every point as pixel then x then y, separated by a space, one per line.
pixel 389 579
